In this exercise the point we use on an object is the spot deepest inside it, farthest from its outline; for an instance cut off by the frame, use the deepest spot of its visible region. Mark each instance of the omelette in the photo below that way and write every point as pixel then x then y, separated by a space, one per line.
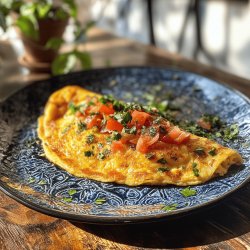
pixel 104 139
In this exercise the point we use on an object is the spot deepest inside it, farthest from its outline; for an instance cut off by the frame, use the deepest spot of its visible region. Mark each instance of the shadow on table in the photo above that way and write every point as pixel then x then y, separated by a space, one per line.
pixel 227 220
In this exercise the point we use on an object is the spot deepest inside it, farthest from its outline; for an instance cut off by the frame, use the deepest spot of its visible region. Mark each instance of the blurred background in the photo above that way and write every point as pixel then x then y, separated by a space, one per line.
pixel 224 26
pixel 214 32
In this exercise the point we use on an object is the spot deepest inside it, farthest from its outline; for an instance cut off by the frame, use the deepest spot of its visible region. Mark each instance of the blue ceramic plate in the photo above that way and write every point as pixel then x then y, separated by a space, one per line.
pixel 28 177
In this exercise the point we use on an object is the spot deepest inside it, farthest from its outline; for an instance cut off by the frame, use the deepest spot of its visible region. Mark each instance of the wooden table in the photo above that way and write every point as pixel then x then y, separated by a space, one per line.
pixel 225 226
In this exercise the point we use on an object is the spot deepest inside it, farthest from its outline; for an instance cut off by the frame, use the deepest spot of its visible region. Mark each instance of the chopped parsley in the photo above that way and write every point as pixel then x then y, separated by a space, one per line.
pixel 157 120
pixel 109 139
pixel 195 169
pixel 88 153
pixel 163 169
pixel 116 136
pixel 199 151
pixel 103 155
pixel 123 117
pixel 106 98
pixel 186 192
pixel 81 126
pixel 162 161
pixel 99 145
pixel 149 155
pixel 73 108
pixel 66 129
pixel 214 120
pixel 67 199
pixel 90 138
pixel 91 103
pixel 212 152
pixel 71 191
pixel 42 182
pixel 230 133
pixel 132 130
pixel 31 180
pixel 170 207
pixel 100 201
pixel 152 131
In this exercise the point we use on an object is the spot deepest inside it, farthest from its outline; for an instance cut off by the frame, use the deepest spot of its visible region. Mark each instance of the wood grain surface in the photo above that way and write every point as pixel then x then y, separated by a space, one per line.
pixel 224 226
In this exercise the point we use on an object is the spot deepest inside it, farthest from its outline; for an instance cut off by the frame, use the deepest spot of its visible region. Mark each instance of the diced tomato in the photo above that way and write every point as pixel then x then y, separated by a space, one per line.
pixel 167 139
pixel 176 135
pixel 158 145
pixel 145 141
pixel 106 109
pixel 79 114
pixel 174 132
pixel 114 125
pixel 139 118
pixel 127 137
pixel 183 137
pixel 93 121
pixel 117 146
pixel 204 124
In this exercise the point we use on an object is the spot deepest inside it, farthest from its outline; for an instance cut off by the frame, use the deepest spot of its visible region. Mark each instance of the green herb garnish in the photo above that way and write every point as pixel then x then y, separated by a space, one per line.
pixel 230 132
pixel 170 207
pixel 31 180
pixel 81 126
pixel 100 201
pixel 66 129
pixel 88 153
pixel 99 145
pixel 103 155
pixel 212 152
pixel 90 138
pixel 72 107
pixel 116 136
pixel 67 199
pixel 152 131
pixel 123 117
pixel 163 169
pixel 71 191
pixel 199 151
pixel 195 169
pixel 186 192
pixel 132 130
pixel 42 182
pixel 149 155
pixel 157 120
pixel 214 120
pixel 162 161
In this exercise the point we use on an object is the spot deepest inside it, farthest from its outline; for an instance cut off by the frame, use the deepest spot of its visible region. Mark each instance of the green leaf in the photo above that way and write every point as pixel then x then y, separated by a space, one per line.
pixel 63 63
pixel 27 27
pixel 43 10
pixel 2 21
pixel 61 14
pixel 84 58
pixel 170 207
pixel 28 9
pixel 72 191
pixel 72 7
pixel 186 192
pixel 54 43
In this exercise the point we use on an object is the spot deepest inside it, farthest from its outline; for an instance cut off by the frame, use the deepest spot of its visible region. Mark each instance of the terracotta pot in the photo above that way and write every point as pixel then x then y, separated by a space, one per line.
pixel 35 50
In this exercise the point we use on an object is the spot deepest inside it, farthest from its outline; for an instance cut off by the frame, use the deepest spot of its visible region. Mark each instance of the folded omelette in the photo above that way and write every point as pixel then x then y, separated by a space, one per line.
pixel 103 139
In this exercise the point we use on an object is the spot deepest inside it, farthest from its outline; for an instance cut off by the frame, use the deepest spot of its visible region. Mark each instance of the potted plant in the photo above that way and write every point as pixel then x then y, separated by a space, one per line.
pixel 40 25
